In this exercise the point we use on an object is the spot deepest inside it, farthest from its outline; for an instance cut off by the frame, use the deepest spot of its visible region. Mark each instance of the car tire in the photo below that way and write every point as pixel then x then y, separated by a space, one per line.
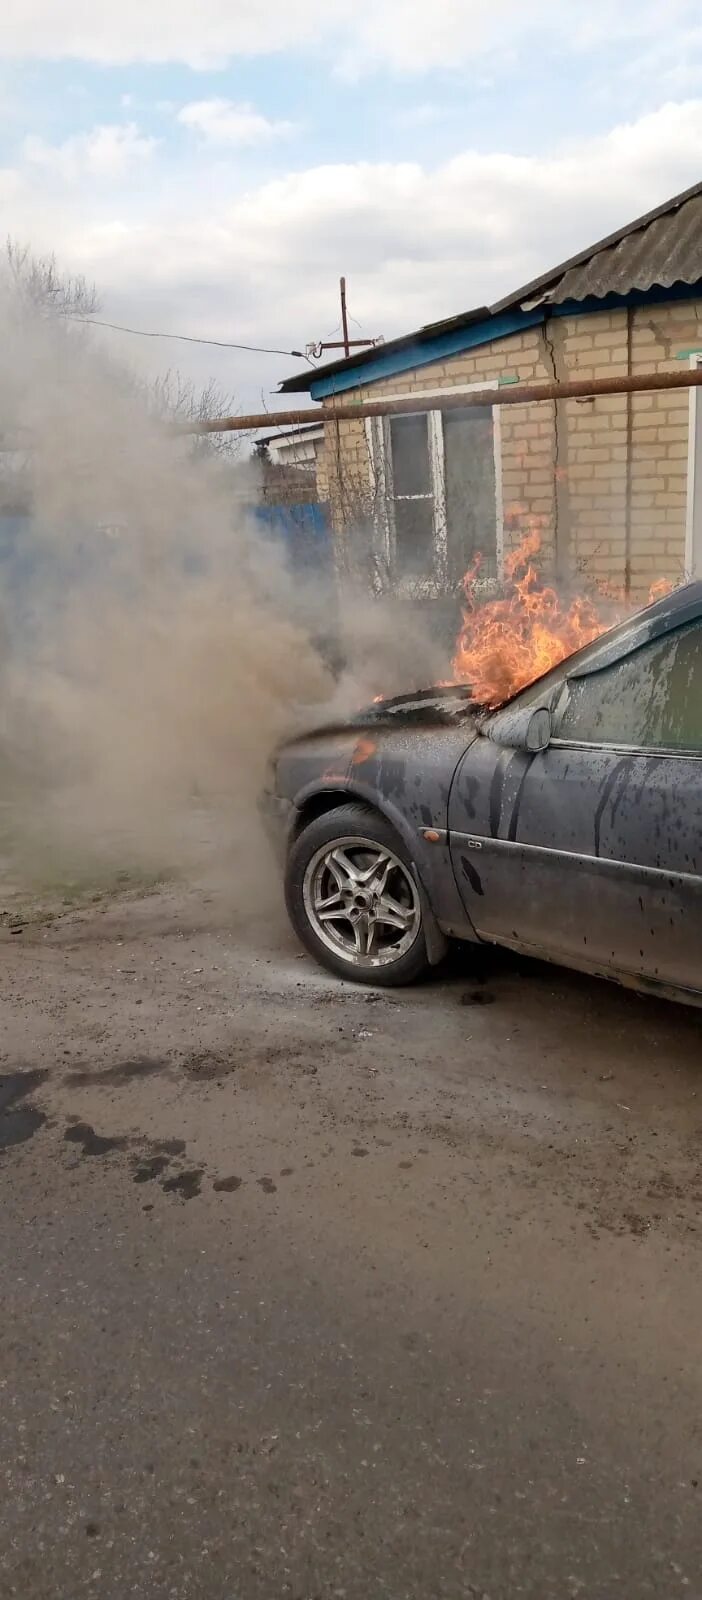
pixel 398 955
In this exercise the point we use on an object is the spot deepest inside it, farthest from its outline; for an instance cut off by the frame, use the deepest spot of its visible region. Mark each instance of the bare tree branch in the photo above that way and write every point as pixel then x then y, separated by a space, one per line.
pixel 39 289
pixel 177 399
pixel 43 289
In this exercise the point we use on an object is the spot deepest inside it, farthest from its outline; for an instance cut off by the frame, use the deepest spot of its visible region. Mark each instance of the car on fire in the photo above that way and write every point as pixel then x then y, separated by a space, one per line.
pixel 565 823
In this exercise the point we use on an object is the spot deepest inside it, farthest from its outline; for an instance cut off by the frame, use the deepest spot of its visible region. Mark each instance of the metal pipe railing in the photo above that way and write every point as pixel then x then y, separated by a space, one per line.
pixel 446 400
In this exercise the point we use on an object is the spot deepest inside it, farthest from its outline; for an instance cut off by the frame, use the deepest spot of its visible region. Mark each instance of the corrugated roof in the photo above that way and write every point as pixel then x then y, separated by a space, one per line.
pixel 657 250
pixel 665 252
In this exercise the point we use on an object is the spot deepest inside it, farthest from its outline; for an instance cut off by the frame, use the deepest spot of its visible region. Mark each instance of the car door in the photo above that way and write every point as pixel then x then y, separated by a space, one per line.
pixel 590 851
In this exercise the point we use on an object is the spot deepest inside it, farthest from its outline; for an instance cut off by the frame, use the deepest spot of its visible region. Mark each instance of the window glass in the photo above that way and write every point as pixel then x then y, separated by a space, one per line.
pixel 410 455
pixel 414 537
pixel 651 699
pixel 470 489
pixel 413 498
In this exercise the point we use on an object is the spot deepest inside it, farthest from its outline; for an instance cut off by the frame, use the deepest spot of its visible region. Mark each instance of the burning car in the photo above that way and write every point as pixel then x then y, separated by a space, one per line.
pixel 564 821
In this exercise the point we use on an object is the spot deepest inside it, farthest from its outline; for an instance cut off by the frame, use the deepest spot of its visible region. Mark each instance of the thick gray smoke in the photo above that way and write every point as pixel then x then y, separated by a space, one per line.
pixel 150 655
pixel 154 646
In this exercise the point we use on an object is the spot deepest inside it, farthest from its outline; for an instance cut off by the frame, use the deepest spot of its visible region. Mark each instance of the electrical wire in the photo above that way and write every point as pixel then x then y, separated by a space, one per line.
pixel 188 338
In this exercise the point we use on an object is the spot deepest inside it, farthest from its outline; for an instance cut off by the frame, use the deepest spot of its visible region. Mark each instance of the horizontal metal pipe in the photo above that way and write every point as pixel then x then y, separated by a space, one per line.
pixel 445 400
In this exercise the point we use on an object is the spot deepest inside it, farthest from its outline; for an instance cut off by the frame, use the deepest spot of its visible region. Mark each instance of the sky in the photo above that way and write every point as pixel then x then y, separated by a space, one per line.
pixel 215 168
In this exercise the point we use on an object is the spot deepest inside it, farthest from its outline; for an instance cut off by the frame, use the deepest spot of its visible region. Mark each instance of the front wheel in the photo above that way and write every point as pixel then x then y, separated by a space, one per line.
pixel 353 900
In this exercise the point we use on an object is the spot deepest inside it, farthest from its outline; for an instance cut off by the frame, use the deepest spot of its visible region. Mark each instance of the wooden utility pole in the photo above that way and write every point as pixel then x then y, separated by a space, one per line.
pixel 344 317
pixel 346 344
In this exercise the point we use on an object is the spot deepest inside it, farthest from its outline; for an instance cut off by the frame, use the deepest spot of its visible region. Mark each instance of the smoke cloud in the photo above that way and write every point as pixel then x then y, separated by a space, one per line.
pixel 152 650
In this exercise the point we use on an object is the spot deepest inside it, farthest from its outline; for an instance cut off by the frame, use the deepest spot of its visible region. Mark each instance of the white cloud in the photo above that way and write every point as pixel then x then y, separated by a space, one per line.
pixel 10 186
pixel 416 243
pixel 672 62
pixel 225 122
pixel 425 114
pixel 406 35
pixel 106 153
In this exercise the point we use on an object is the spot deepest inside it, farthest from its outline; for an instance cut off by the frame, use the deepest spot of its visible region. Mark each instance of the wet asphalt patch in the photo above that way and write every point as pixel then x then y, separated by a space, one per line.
pixel 145 1171
pixel 150 1160
pixel 185 1184
pixel 92 1143
pixel 19 1122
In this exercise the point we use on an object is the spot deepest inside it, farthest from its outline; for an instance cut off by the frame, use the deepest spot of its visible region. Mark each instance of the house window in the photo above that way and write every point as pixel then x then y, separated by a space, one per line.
pixel 436 475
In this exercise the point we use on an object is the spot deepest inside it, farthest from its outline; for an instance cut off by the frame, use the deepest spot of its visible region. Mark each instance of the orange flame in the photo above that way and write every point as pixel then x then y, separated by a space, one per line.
pixel 508 642
pixel 660 589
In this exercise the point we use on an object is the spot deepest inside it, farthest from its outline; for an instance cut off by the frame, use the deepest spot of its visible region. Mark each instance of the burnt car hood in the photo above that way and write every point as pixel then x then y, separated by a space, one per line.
pixel 445 705
pixel 405 746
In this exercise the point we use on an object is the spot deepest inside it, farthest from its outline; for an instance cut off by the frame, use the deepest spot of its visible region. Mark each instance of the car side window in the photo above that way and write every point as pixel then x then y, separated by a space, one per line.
pixel 651 700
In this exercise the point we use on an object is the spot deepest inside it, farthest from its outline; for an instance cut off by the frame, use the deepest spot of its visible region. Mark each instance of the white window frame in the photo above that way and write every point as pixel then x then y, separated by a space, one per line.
pixel 693 521
pixel 380 456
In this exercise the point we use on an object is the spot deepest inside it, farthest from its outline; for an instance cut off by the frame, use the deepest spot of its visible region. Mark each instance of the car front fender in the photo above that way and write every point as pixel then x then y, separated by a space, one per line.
pixel 444 911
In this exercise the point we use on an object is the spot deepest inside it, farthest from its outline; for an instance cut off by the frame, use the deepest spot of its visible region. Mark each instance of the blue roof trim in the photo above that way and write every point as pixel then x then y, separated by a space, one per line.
pixel 422 355
pixel 395 362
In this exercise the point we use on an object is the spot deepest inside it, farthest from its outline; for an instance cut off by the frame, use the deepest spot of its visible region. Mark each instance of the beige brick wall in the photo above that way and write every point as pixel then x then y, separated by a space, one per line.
pixel 569 474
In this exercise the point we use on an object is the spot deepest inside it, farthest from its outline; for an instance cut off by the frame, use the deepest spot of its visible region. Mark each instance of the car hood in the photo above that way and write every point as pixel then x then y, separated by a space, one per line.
pixel 400 753
pixel 445 705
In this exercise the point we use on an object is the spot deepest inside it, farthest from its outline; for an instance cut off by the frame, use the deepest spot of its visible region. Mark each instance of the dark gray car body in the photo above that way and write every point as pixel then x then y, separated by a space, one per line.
pixel 587 852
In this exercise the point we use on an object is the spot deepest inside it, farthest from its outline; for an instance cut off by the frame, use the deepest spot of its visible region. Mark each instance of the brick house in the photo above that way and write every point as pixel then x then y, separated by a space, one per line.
pixel 613 483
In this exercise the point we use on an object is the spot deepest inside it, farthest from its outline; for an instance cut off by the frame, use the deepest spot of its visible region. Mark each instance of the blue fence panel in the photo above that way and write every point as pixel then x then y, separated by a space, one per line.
pixel 304 532
pixel 39 574
pixel 16 557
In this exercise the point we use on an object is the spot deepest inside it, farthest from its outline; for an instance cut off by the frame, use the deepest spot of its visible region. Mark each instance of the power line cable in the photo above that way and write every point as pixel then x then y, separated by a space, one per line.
pixel 188 338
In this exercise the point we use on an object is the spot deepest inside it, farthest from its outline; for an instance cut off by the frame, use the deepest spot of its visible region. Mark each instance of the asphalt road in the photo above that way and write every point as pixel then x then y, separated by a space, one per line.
pixel 311 1293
